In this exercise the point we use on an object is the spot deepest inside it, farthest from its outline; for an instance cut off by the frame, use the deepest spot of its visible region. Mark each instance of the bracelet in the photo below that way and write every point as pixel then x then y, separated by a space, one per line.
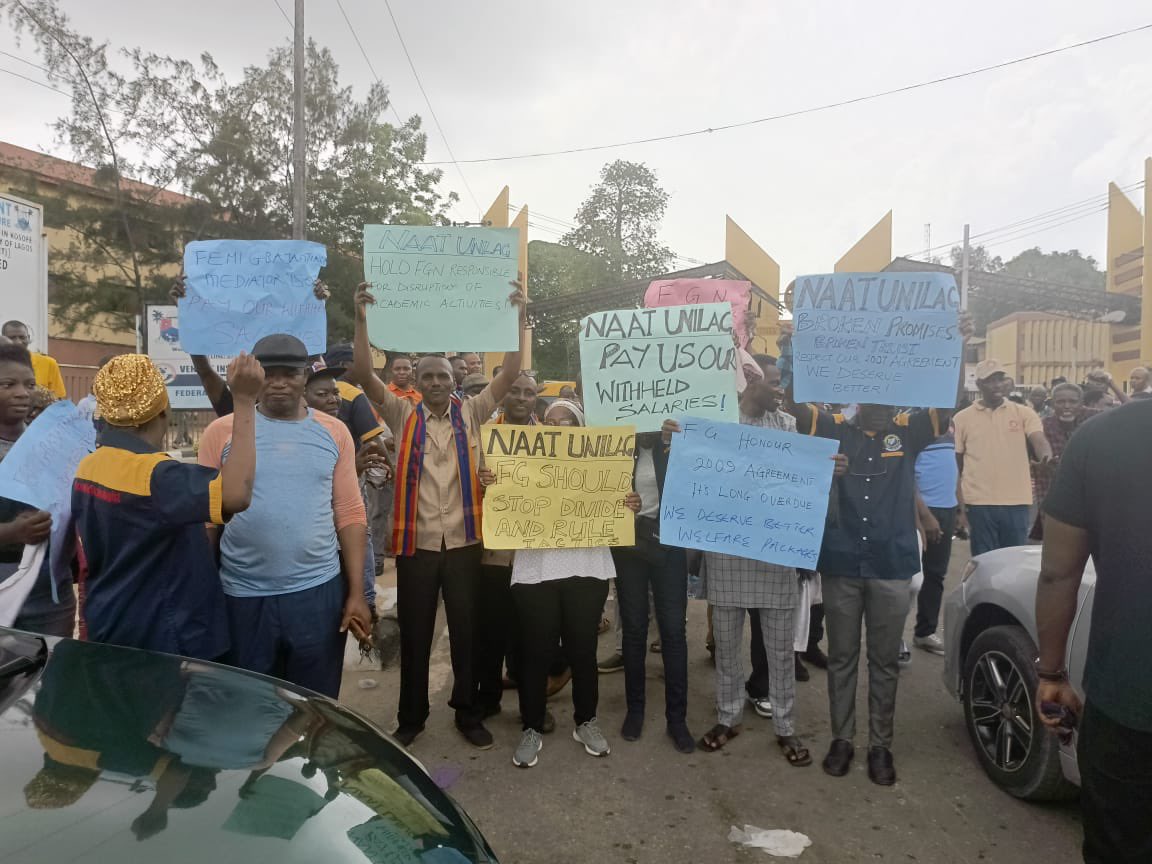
pixel 1058 676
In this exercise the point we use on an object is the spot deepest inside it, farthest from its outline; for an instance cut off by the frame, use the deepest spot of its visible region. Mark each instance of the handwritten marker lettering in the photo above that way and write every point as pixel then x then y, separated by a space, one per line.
pixel 642 366
pixel 239 291
pixel 558 488
pixel 748 491
pixel 886 338
pixel 442 289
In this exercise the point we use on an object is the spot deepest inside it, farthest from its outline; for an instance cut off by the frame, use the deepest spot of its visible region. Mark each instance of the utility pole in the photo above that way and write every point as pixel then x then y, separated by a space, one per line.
pixel 299 199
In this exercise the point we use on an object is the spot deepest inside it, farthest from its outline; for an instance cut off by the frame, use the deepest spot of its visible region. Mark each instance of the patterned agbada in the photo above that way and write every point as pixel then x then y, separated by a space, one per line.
pixel 410 466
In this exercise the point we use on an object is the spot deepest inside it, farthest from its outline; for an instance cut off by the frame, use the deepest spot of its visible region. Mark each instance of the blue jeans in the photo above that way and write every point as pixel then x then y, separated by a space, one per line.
pixel 665 570
pixel 997 526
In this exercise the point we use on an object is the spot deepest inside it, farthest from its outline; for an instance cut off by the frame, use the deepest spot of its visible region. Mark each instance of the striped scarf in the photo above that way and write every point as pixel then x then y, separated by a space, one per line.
pixel 410 466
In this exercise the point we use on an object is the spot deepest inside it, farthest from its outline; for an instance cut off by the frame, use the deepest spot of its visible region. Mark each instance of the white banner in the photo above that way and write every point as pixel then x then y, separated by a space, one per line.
pixel 24 267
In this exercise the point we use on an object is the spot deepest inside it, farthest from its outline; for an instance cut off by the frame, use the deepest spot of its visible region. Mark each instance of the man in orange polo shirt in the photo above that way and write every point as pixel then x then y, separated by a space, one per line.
pixel 992 439
pixel 400 373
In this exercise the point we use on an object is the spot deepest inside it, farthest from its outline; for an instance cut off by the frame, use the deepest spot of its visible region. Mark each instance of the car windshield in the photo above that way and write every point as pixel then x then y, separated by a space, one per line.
pixel 106 748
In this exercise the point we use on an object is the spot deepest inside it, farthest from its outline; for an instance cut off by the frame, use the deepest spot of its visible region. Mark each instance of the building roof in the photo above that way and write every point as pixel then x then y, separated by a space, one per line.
pixel 53 170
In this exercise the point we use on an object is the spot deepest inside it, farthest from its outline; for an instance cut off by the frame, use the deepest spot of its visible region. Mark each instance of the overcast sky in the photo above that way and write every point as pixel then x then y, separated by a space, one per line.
pixel 510 77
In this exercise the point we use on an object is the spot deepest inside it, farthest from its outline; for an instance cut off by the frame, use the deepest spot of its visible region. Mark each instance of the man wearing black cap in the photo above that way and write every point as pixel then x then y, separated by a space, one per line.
pixel 288 607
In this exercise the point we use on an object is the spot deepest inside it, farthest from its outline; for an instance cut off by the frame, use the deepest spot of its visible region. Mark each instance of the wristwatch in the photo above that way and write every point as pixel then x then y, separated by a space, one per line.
pixel 1056 676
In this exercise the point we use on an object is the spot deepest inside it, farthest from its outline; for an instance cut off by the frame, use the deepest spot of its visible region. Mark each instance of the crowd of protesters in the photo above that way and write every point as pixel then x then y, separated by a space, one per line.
pixel 317 468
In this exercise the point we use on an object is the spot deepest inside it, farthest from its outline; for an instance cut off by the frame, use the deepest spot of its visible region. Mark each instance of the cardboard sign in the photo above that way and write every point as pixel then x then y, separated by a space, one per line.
pixel 558 488
pixel 240 291
pixel 748 491
pixel 880 338
pixel 442 289
pixel 642 366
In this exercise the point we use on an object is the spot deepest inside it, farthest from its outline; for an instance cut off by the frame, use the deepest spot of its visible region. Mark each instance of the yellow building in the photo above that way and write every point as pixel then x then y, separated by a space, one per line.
pixel 1036 347
pixel 1129 259
pixel 42 178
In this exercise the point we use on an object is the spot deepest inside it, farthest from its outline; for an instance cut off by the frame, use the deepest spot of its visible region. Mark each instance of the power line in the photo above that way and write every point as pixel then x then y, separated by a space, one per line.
pixel 24 60
pixel 1093 204
pixel 431 111
pixel 284 15
pixel 1045 228
pixel 364 54
pixel 803 111
pixel 37 83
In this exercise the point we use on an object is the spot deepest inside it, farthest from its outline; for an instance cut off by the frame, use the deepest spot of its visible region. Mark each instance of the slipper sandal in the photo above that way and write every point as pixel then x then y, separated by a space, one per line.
pixel 795 752
pixel 716 737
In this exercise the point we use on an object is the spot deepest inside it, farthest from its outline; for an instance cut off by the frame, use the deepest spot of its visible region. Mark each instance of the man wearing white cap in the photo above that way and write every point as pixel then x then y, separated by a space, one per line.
pixel 992 440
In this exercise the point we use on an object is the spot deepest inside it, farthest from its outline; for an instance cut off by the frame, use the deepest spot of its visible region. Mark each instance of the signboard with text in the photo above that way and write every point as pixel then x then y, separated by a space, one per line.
pixel 747 491
pixel 558 487
pixel 162 344
pixel 442 288
pixel 642 366
pixel 24 267
pixel 881 338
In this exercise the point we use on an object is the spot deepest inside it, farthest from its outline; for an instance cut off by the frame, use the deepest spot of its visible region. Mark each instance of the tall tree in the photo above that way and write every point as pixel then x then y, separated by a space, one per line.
pixel 182 126
pixel 620 219
pixel 978 259
pixel 556 270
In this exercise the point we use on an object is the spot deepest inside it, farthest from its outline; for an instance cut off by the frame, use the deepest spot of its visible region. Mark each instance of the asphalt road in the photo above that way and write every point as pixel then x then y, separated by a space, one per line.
pixel 646 803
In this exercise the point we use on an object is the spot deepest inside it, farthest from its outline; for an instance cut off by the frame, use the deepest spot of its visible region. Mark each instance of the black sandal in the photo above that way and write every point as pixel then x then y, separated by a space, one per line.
pixel 716 737
pixel 795 752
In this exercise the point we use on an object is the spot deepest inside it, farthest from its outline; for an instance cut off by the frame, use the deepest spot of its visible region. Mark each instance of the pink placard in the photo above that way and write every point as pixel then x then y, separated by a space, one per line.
pixel 682 292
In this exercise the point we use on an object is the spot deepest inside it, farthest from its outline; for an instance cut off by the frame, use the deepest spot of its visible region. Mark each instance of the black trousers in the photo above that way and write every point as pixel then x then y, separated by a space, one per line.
pixel 665 570
pixel 497 634
pixel 935 567
pixel 1115 790
pixel 559 609
pixel 420 579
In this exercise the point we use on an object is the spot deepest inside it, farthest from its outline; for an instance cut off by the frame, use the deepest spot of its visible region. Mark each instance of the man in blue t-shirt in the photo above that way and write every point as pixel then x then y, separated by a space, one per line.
pixel 936 474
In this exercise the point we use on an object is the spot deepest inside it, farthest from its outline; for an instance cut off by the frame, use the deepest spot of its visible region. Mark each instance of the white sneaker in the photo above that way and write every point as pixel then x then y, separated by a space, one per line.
pixel 528 750
pixel 763 707
pixel 932 644
pixel 592 738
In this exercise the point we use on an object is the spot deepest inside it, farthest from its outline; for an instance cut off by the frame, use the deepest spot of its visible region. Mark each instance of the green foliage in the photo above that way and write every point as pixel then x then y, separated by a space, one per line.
pixel 555 270
pixel 182 126
pixel 619 221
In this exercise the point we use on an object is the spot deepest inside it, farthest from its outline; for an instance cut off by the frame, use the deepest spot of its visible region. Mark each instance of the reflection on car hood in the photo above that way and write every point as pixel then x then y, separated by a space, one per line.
pixel 117 755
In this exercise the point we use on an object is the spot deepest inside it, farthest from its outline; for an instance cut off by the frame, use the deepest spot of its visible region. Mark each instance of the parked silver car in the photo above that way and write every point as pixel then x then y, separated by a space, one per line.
pixel 990 639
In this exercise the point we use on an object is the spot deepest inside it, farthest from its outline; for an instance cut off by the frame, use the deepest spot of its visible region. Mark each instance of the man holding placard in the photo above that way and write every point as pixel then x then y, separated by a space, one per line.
pixel 870 550
pixel 437 518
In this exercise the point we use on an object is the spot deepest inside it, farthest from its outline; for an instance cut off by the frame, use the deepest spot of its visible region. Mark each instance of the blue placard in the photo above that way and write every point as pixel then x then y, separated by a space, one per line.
pixel 239 291
pixel 880 338
pixel 747 491
pixel 40 468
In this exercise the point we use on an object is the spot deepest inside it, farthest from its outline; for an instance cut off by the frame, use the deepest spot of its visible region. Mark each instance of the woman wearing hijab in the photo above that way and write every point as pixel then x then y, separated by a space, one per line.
pixel 559 595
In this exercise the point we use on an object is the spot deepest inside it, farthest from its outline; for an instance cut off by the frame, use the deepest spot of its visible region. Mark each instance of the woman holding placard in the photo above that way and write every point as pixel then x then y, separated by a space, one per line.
pixel 559 594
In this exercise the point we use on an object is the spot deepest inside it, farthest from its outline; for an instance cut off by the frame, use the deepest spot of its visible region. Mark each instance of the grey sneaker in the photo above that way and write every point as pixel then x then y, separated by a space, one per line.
pixel 528 750
pixel 763 707
pixel 932 644
pixel 592 738
pixel 904 658
pixel 615 663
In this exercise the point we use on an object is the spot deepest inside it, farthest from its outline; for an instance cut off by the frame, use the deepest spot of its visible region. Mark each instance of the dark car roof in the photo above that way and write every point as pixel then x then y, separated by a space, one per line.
pixel 112 754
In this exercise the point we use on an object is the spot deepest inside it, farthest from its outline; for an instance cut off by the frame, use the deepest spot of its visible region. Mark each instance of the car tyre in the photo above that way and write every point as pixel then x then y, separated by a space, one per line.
pixel 999 700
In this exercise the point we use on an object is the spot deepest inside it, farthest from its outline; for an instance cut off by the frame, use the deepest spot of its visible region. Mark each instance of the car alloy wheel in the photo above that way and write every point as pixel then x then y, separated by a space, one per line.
pixel 1002 711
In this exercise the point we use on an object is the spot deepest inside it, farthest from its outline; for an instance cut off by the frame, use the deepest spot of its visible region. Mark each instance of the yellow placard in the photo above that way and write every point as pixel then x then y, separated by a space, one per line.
pixel 558 488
